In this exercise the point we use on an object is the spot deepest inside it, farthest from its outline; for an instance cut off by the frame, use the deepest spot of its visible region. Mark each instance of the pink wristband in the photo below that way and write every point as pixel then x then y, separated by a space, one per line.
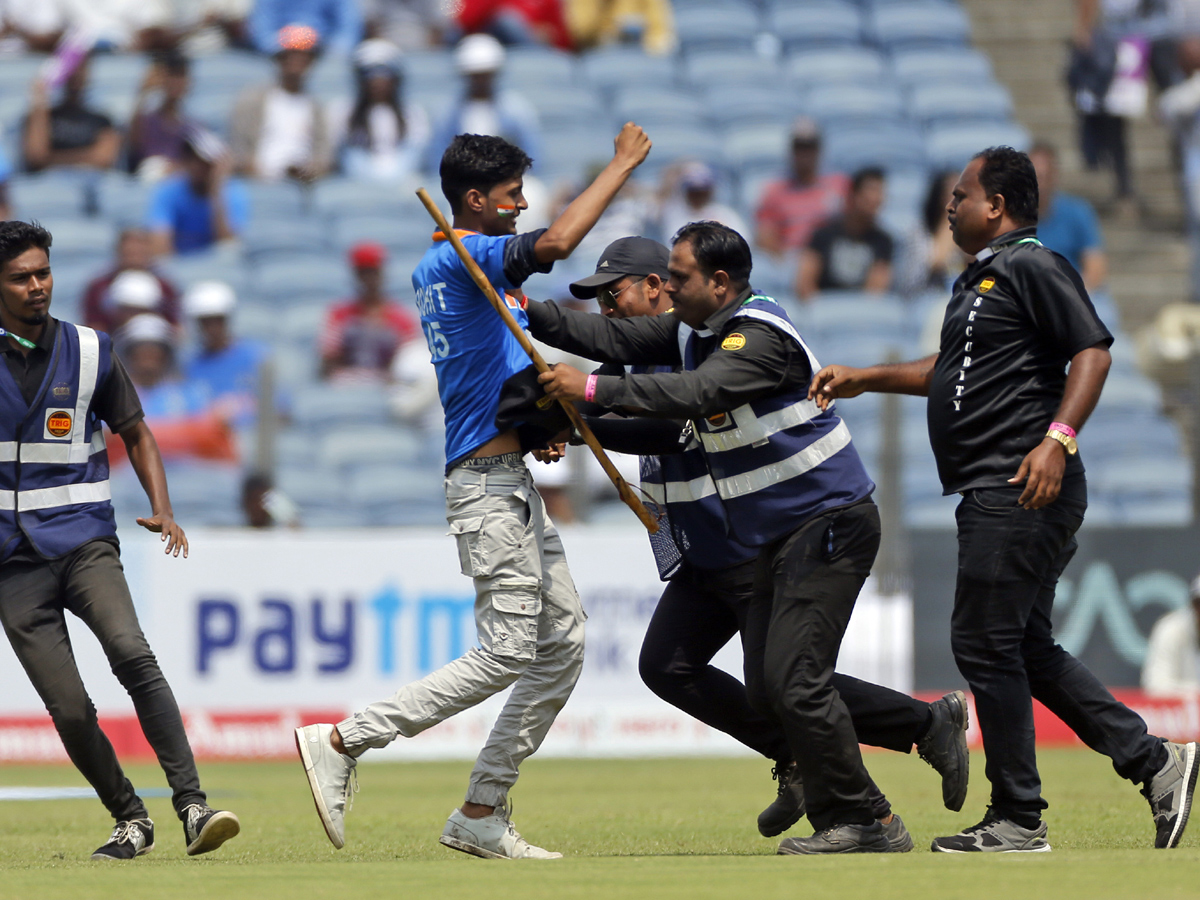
pixel 1065 429
pixel 589 390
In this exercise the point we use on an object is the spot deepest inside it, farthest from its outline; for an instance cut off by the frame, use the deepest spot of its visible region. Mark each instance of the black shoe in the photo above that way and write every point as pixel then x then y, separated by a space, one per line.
pixel 1170 794
pixel 899 840
pixel 207 829
pixel 129 839
pixel 945 747
pixel 839 839
pixel 788 806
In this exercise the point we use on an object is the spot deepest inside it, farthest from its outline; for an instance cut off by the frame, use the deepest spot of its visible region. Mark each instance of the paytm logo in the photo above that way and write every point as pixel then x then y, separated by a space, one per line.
pixel 388 631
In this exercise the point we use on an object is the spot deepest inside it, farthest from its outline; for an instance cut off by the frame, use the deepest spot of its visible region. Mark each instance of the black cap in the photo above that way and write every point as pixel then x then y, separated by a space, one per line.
pixel 626 256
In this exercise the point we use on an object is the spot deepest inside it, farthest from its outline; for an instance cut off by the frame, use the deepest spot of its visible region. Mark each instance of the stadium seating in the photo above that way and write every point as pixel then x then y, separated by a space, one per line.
pixel 893 82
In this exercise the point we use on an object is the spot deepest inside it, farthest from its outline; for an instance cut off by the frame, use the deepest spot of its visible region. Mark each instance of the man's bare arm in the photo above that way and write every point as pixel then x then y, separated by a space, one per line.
pixel 833 382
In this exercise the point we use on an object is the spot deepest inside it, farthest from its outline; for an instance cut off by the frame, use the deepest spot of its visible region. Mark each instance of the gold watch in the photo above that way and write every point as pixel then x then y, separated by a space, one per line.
pixel 1071 445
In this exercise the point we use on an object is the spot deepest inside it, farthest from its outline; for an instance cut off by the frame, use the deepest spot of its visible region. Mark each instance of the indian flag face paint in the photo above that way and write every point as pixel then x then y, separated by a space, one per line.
pixel 506 211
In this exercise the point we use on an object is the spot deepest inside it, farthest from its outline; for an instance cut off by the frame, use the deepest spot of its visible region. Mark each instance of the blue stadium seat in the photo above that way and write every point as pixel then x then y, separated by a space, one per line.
pixel 832 316
pixel 313 487
pixel 613 68
pixel 17 74
pixel 859 64
pixel 394 482
pixel 276 235
pixel 951 146
pixel 399 233
pixel 655 109
pixel 213 110
pixel 319 407
pixel 527 68
pixel 569 154
pixel 892 145
pixel 331 77
pixel 50 194
pixel 957 64
pixel 733 106
pixel 368 443
pixel 763 145
pixel 712 27
pixel 113 78
pixel 959 101
pixel 76 237
pixel 217 265
pixel 725 70
pixel 814 26
pixel 293 279
pixel 843 103
pixel 230 72
pixel 277 199
pixel 334 197
pixel 302 322
pixel 1161 512
pixel 921 24
pixel 682 142
pixel 933 512
pixel 567 106
pixel 201 487
pixel 123 198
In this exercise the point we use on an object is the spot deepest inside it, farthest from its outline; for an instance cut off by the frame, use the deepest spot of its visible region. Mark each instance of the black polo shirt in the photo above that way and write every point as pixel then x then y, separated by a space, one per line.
pixel 1016 318
pixel 115 401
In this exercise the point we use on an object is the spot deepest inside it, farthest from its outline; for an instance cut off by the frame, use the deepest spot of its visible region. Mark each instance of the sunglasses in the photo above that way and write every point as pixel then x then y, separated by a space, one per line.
pixel 606 298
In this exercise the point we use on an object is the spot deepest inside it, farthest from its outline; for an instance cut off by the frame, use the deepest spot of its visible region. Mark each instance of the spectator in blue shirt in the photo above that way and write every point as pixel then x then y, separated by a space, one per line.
pixel 227 367
pixel 1067 224
pixel 337 22
pixel 202 206
pixel 5 175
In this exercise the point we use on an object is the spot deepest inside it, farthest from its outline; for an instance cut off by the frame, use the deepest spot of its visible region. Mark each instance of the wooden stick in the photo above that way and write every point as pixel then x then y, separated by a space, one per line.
pixel 477 275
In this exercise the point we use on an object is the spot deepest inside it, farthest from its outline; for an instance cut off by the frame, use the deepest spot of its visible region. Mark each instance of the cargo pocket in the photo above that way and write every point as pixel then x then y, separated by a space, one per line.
pixel 472 559
pixel 512 628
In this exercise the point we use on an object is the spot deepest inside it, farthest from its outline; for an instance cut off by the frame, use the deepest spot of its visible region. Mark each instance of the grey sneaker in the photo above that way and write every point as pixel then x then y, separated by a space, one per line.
pixel 945 747
pixel 207 829
pixel 130 838
pixel 331 777
pixel 899 840
pixel 1170 794
pixel 492 837
pixel 994 835
pixel 788 807
pixel 839 839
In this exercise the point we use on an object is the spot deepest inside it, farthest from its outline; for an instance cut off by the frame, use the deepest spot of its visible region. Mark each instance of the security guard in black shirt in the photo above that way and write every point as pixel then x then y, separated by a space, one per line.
pixel 1003 416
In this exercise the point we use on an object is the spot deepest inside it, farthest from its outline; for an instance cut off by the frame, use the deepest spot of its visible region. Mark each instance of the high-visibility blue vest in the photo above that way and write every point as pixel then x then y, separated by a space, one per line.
pixel 779 461
pixel 53 465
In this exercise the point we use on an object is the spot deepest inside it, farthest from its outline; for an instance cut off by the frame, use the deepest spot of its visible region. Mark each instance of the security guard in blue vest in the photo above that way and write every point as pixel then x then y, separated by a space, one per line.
pixel 58 543
pixel 789 482
pixel 710 587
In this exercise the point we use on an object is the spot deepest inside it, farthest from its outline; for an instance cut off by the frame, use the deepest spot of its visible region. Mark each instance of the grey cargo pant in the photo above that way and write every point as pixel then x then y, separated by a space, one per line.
pixel 530 624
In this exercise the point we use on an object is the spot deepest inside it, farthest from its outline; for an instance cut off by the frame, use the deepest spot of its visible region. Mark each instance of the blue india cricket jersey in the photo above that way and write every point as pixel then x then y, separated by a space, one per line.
pixel 472 349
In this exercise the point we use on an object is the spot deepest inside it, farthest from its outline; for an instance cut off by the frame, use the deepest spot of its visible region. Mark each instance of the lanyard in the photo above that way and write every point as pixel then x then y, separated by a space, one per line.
pixel 24 342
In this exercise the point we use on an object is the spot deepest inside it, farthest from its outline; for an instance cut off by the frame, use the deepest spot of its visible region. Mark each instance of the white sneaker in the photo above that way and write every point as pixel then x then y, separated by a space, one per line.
pixel 492 837
pixel 331 778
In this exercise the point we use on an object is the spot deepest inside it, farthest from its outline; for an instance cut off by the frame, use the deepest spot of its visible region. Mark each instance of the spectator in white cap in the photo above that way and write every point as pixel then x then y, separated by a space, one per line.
pixel 687 196
pixel 133 252
pixel 133 293
pixel 483 108
pixel 225 366
pixel 1172 665
pixel 202 206
pixel 380 136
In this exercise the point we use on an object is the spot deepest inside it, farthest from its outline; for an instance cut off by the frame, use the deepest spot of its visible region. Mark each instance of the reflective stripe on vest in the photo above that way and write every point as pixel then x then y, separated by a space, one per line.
pixel 752 429
pixel 63 495
pixel 54 454
pixel 796 464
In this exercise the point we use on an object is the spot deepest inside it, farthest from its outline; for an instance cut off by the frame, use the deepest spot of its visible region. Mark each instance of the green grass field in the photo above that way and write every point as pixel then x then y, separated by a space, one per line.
pixel 629 828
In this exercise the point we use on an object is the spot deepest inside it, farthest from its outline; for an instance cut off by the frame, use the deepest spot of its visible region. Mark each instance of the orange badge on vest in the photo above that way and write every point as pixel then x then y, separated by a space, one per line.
pixel 986 285
pixel 58 423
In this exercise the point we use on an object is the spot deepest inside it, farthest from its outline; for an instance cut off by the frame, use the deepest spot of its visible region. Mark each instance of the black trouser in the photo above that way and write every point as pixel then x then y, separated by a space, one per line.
pixel 805 588
pixel 90 583
pixel 1009 561
pixel 698 613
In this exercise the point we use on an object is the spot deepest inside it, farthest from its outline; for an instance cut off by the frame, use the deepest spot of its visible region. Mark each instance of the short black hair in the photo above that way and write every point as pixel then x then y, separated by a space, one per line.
pixel 865 174
pixel 1010 174
pixel 718 247
pixel 16 237
pixel 174 62
pixel 479 162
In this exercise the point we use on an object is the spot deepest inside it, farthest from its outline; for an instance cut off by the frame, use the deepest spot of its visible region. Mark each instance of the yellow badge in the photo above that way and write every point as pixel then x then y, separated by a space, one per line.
pixel 734 341
pixel 986 285
pixel 58 423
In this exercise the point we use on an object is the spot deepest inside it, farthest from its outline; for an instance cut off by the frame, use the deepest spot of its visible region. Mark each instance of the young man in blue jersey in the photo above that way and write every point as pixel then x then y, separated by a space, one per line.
pixel 527 611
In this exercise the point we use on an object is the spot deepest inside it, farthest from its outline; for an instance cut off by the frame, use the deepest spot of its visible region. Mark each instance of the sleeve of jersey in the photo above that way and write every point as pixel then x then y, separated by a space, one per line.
pixel 1060 306
pixel 507 260
pixel 116 402
pixel 638 341
pixel 734 374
